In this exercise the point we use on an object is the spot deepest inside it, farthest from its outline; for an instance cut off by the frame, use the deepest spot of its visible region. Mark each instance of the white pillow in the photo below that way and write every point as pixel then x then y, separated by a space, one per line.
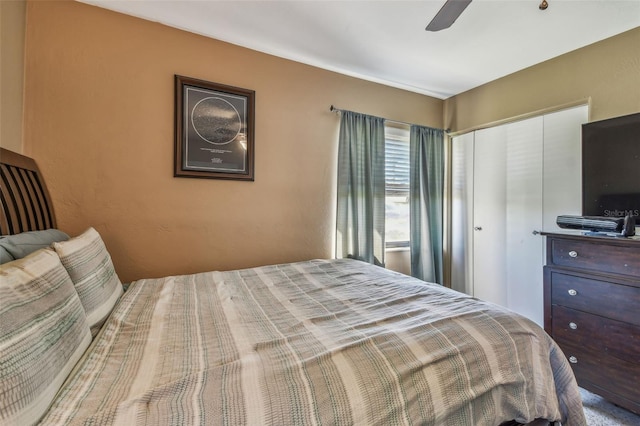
pixel 90 267
pixel 43 333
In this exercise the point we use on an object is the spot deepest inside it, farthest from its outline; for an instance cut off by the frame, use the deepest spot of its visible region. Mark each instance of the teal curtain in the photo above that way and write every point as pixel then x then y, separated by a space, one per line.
pixel 426 187
pixel 361 188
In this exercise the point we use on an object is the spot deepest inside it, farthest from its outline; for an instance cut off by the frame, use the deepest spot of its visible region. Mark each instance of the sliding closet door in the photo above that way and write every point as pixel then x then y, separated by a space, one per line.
pixel 513 180
pixel 462 213
pixel 524 244
pixel 489 215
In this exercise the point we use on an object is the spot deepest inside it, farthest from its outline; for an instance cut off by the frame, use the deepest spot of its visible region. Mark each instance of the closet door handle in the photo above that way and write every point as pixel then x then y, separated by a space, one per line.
pixel 477 228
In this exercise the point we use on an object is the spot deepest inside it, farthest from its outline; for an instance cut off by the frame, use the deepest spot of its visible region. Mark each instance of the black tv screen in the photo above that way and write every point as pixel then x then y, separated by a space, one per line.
pixel 611 167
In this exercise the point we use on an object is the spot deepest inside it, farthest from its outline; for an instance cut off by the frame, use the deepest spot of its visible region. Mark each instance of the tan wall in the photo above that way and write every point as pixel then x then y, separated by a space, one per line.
pixel 99 120
pixel 607 73
pixel 398 260
pixel 12 23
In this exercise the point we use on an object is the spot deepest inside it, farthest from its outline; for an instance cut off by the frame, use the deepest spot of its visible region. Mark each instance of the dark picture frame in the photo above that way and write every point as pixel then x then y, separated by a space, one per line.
pixel 214 130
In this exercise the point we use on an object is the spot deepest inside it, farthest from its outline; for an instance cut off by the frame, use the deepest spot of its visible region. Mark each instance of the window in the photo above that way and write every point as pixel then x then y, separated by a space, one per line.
pixel 397 186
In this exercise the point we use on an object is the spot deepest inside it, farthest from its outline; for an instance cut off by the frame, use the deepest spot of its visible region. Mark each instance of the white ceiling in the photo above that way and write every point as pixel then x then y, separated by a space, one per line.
pixel 385 41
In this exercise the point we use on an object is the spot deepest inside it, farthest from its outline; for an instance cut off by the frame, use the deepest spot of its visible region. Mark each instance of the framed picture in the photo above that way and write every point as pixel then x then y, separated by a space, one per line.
pixel 214 130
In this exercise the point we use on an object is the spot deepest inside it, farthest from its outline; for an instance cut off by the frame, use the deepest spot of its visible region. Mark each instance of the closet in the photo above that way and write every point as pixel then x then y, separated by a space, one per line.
pixel 509 183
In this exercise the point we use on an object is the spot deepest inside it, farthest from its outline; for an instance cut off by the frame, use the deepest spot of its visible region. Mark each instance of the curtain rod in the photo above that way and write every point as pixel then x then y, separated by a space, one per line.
pixel 339 110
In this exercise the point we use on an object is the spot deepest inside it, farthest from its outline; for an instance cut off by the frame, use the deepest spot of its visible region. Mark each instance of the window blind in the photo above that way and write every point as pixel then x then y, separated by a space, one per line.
pixel 397 166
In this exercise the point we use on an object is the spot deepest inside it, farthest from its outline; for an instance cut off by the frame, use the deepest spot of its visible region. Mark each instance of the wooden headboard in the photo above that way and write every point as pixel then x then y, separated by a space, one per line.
pixel 25 201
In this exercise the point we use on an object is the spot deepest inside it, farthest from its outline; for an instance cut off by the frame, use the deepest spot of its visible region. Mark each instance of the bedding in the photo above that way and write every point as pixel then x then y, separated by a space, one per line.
pixel 43 333
pixel 330 342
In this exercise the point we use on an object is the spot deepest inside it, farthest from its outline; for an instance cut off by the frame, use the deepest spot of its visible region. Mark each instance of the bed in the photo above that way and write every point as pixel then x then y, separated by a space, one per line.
pixel 319 342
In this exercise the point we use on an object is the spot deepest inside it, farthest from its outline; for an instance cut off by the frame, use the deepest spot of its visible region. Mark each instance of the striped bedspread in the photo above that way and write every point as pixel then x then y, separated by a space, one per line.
pixel 324 342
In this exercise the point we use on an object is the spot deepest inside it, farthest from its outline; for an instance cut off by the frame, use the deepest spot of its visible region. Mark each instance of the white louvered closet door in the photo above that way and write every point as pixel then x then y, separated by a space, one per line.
pixel 562 185
pixel 524 246
pixel 462 213
pixel 489 215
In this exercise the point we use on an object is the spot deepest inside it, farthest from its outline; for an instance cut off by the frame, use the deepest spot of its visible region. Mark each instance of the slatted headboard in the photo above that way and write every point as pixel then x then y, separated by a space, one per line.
pixel 25 201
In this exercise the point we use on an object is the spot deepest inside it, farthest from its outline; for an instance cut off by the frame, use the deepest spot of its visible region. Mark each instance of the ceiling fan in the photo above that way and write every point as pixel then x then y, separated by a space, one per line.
pixel 447 15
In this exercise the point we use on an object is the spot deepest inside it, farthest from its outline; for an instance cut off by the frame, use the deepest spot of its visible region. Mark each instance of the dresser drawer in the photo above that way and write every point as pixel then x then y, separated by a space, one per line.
pixel 606 299
pixel 616 376
pixel 616 339
pixel 596 256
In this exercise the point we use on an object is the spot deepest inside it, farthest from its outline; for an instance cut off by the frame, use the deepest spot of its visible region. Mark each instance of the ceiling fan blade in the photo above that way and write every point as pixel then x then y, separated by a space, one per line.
pixel 447 15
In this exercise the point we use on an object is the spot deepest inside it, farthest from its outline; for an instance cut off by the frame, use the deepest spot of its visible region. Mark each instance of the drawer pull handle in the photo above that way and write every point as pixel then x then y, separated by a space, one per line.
pixel 573 359
pixel 573 254
pixel 573 325
pixel 572 292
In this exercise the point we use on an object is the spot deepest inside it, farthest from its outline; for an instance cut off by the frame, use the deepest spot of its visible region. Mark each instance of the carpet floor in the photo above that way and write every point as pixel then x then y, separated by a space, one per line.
pixel 600 412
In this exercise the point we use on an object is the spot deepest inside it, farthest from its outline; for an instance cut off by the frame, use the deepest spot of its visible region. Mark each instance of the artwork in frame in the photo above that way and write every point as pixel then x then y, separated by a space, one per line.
pixel 214 130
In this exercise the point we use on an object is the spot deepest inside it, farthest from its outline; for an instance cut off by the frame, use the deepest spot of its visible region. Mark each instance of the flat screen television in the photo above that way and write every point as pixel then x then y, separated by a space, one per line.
pixel 611 167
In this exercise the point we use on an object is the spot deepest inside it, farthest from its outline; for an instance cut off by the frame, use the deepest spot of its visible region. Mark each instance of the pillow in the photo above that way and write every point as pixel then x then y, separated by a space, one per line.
pixel 89 265
pixel 43 333
pixel 20 245
pixel 5 256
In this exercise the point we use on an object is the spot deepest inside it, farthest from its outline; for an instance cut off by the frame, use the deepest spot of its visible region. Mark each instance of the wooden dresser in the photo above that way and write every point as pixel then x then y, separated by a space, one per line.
pixel 592 310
